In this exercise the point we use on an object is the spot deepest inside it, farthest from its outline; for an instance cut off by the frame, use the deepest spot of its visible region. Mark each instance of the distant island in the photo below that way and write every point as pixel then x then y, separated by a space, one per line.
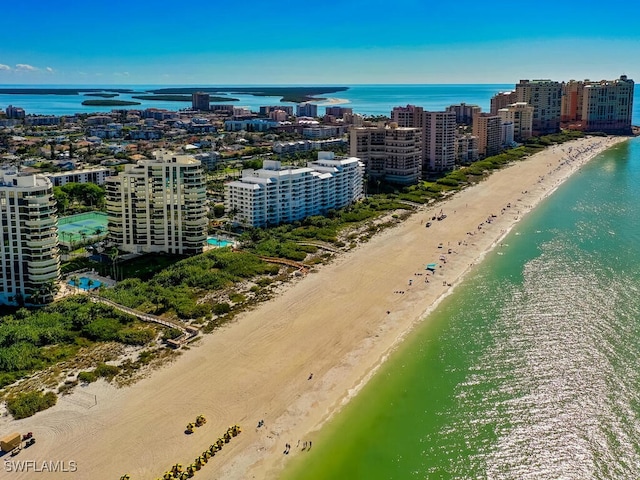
pixel 59 91
pixel 183 94
pixel 288 94
pixel 109 103
pixel 181 98
pixel 103 95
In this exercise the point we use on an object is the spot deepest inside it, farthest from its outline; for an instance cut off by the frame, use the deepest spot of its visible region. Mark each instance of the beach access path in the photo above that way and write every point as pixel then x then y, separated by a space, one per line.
pixel 339 324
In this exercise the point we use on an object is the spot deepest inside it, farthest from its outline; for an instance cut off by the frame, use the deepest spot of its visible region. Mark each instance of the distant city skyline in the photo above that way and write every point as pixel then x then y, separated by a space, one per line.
pixel 345 42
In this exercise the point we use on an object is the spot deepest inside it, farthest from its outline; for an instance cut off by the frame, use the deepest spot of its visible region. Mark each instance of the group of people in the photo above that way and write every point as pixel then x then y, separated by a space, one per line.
pixel 305 446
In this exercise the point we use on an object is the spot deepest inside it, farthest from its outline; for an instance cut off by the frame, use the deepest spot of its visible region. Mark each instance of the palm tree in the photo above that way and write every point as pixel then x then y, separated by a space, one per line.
pixel 44 292
pixel 90 283
pixel 113 255
pixel 75 280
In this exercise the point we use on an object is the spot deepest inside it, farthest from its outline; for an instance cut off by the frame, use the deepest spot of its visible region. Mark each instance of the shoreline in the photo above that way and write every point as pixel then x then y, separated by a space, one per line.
pixel 333 323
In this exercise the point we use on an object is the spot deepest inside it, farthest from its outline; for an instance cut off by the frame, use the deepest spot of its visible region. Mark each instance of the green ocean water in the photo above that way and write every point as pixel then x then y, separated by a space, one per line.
pixel 529 370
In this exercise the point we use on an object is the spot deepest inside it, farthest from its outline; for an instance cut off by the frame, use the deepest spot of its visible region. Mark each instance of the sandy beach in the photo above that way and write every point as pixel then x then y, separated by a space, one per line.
pixel 293 361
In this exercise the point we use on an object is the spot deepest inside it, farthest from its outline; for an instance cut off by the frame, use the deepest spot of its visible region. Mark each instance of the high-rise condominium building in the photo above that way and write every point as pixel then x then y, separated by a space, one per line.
pixel 337 111
pixel 411 117
pixel 545 96
pixel 608 106
pixel 440 141
pixel 29 259
pixel 158 206
pixel 486 127
pixel 521 115
pixel 390 154
pixel 571 106
pixel 506 134
pixel 501 100
pixel 307 110
pixel 466 149
pixel 464 113
pixel 200 101
pixel 604 106
pixel 279 193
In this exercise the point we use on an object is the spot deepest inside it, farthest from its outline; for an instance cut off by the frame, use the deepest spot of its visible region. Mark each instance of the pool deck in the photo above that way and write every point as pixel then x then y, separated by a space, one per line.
pixel 66 289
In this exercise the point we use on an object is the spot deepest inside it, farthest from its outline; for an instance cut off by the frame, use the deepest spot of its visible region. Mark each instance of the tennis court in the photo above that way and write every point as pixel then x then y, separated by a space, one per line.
pixel 82 227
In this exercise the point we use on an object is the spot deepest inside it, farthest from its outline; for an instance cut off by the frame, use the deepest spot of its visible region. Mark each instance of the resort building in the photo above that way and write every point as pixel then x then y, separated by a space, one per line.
pixel 521 115
pixel 29 262
pixel 545 96
pixel 337 111
pixel 466 149
pixel 266 110
pixel 200 101
pixel 440 141
pixel 307 110
pixel 95 175
pixel 464 113
pixel 501 100
pixel 15 112
pixel 506 134
pixel 392 154
pixel 486 127
pixel 603 106
pixel 279 193
pixel 250 125
pixel 411 117
pixel 158 206
pixel 571 106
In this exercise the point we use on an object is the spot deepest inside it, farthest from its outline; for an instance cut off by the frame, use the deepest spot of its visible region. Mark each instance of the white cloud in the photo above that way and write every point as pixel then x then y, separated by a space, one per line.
pixel 50 70
pixel 121 74
pixel 4 67
pixel 23 67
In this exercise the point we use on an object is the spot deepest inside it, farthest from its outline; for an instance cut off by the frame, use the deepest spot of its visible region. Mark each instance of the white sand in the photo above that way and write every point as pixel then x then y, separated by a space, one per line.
pixel 333 323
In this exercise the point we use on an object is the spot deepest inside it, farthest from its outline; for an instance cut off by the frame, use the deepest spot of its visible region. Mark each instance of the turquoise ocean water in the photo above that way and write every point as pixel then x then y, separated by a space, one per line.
pixel 530 369
pixel 364 99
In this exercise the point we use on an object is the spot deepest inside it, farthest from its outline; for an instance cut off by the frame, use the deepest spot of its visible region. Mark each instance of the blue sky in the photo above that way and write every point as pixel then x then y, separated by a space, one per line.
pixel 327 42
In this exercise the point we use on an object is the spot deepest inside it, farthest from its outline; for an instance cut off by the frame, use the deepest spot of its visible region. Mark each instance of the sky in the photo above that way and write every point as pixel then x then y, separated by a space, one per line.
pixel 263 42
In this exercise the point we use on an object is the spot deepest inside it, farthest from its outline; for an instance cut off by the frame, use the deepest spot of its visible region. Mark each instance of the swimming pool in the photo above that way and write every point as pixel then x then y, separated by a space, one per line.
pixel 218 242
pixel 84 283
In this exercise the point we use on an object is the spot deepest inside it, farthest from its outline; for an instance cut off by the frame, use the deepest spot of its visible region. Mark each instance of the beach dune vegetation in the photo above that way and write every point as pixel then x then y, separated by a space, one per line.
pixel 32 340
pixel 23 405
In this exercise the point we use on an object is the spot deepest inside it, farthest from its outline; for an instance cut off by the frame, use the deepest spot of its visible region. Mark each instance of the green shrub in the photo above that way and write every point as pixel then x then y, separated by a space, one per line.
pixel 106 371
pixel 221 308
pixel 87 377
pixel 24 405
pixel 136 336
pixel 237 298
pixel 171 334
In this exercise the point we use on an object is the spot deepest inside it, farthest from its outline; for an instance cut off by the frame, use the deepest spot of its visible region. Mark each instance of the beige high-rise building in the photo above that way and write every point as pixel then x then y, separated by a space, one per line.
pixel 486 127
pixel 545 96
pixel 29 260
pixel 464 113
pixel 607 106
pixel 501 100
pixel 603 106
pixel 390 154
pixel 521 114
pixel 440 141
pixel 158 206
pixel 411 117
pixel 466 149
